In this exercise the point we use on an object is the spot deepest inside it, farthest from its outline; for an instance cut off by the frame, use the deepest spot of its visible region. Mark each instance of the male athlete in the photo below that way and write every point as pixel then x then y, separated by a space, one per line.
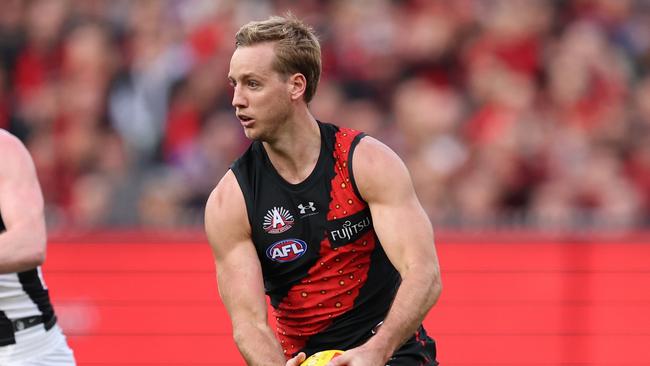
pixel 29 335
pixel 323 219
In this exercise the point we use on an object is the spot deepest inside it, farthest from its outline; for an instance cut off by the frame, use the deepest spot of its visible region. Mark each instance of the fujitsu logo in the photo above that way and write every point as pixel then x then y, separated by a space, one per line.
pixel 350 230
pixel 277 220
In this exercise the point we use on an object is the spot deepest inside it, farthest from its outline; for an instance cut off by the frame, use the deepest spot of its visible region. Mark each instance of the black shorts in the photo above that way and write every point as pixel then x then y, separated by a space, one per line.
pixel 420 350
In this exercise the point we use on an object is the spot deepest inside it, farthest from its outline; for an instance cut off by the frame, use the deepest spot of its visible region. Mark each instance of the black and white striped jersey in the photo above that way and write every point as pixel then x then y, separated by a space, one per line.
pixel 22 295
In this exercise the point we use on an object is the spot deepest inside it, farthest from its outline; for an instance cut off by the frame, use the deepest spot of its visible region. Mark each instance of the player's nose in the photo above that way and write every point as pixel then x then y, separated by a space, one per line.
pixel 238 99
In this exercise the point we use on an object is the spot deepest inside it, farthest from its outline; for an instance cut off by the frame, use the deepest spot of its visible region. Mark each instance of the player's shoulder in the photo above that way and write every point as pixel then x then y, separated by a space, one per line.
pixel 226 192
pixel 374 154
pixel 377 169
pixel 11 146
pixel 226 201
pixel 225 213
pixel 9 141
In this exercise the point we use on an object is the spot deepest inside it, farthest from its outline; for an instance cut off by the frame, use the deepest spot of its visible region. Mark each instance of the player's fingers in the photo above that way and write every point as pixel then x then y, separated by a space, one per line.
pixel 296 361
pixel 338 361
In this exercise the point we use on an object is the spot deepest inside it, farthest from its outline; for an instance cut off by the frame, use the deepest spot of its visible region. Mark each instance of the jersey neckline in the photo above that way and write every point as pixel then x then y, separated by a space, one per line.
pixel 313 176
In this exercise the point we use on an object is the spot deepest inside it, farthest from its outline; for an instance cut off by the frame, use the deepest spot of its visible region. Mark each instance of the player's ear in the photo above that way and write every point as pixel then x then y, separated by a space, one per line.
pixel 297 84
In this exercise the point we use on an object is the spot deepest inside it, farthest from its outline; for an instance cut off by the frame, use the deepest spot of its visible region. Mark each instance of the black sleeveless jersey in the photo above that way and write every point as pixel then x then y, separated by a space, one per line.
pixel 22 295
pixel 327 276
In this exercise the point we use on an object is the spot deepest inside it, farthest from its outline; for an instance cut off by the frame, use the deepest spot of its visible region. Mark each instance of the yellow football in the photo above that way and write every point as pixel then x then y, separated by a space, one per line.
pixel 321 358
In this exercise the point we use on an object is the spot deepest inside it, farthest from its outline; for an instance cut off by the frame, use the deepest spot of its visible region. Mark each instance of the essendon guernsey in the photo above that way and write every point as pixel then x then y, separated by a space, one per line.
pixel 324 269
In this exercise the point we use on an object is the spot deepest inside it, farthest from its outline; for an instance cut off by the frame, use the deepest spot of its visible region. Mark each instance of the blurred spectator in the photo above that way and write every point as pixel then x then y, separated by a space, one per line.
pixel 155 57
pixel 515 112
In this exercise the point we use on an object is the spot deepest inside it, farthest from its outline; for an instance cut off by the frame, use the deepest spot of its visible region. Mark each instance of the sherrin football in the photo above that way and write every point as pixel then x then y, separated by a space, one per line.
pixel 321 358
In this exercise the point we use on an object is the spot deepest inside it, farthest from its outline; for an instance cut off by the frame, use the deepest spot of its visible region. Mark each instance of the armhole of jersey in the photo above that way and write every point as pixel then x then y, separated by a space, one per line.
pixel 353 147
pixel 245 190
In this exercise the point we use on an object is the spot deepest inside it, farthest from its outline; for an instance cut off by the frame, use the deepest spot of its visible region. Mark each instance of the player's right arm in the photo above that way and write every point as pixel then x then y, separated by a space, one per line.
pixel 239 274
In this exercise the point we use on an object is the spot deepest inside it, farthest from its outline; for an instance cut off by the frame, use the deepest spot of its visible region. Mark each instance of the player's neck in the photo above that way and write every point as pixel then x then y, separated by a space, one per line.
pixel 295 151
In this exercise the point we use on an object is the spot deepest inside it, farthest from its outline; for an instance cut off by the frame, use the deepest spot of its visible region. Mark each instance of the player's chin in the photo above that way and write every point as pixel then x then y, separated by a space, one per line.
pixel 252 133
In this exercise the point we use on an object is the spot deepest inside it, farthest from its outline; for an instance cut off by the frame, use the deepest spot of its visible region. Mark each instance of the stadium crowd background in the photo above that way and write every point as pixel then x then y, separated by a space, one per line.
pixel 508 113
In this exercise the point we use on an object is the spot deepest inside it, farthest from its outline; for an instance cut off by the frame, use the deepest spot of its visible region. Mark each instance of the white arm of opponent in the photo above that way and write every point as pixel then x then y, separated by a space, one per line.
pixel 22 244
pixel 239 275
pixel 406 235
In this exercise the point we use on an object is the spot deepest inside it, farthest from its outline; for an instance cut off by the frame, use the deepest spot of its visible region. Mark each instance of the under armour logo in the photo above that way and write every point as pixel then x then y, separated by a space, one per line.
pixel 303 208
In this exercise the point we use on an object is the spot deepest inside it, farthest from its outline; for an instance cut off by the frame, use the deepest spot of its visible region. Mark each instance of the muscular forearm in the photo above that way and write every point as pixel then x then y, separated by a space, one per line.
pixel 418 292
pixel 258 345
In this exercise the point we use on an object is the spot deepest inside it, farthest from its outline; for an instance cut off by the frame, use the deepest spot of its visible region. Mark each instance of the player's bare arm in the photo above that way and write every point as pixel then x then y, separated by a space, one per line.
pixel 239 274
pixel 22 245
pixel 406 235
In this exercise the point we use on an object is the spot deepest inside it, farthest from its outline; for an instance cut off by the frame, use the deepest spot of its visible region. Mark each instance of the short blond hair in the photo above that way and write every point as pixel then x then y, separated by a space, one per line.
pixel 296 47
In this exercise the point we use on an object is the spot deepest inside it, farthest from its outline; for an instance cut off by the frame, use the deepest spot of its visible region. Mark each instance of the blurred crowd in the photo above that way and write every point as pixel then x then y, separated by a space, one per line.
pixel 509 113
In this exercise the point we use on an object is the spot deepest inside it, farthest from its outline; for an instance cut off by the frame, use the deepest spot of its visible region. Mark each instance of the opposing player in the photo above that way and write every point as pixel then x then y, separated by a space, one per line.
pixel 29 335
pixel 322 218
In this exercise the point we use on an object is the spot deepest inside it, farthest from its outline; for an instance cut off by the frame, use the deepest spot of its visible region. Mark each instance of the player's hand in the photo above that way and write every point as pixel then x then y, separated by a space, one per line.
pixel 297 360
pixel 360 356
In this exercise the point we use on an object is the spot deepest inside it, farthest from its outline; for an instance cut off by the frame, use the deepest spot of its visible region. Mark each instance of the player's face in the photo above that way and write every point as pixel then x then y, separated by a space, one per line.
pixel 261 95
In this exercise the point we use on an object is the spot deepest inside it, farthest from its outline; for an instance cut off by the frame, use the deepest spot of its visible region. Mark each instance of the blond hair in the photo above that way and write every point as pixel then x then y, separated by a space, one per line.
pixel 296 47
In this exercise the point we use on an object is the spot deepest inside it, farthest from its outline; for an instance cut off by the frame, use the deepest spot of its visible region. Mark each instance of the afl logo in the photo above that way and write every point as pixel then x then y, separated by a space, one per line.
pixel 277 220
pixel 286 250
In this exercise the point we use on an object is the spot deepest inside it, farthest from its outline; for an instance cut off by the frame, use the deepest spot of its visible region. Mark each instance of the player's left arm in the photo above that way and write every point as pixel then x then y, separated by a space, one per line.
pixel 23 243
pixel 406 235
